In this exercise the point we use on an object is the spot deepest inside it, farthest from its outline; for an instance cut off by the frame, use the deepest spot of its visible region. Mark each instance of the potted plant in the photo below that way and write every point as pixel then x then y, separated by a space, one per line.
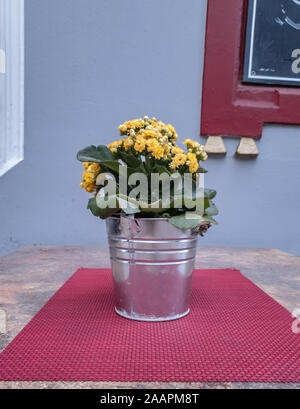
pixel 151 193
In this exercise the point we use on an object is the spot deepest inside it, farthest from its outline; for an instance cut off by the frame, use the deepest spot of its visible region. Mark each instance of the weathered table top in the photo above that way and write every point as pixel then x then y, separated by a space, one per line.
pixel 30 276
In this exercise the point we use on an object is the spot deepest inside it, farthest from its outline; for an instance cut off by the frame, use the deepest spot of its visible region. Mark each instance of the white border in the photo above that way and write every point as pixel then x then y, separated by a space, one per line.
pixel 12 84
pixel 261 77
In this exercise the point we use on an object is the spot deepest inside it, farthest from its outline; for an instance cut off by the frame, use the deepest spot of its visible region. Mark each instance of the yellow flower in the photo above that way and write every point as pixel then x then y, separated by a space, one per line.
pixel 128 142
pixel 86 165
pixel 140 144
pixel 187 142
pixel 152 144
pixel 191 157
pixel 88 178
pixel 149 133
pixel 131 125
pixel 158 152
pixel 171 129
pixel 94 168
pixel 179 160
pixel 192 144
pixel 88 181
pixel 193 166
pixel 166 149
pixel 204 156
pixel 114 146
pixel 201 154
pixel 123 129
pixel 192 162
pixel 177 150
pixel 90 188
pixel 135 123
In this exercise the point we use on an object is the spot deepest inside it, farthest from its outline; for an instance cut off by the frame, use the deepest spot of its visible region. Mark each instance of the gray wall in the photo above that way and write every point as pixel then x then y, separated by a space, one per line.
pixel 91 65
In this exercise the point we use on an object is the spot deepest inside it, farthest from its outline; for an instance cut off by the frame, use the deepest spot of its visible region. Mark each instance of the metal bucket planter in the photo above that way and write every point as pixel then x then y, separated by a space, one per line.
pixel 152 263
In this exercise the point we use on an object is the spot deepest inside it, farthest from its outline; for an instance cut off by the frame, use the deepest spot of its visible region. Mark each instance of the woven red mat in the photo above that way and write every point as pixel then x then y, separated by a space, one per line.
pixel 234 332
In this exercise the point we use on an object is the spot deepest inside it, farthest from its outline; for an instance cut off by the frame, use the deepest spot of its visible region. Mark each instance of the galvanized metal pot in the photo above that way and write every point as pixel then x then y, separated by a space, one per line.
pixel 152 263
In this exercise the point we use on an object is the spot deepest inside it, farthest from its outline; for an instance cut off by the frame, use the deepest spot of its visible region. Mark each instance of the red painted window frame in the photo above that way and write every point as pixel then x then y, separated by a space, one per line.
pixel 230 107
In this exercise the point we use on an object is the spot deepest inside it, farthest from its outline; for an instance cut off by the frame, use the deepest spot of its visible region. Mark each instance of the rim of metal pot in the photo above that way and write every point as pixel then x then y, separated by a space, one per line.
pixel 139 218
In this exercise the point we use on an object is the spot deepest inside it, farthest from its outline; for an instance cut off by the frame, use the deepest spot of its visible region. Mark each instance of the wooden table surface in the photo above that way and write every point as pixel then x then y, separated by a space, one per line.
pixel 31 275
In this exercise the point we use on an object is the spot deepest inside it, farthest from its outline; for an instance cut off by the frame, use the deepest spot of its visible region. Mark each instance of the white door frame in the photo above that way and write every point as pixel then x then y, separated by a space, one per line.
pixel 11 83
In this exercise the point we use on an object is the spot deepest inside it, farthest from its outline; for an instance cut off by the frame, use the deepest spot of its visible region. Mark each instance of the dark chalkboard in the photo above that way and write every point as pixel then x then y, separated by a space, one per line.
pixel 272 52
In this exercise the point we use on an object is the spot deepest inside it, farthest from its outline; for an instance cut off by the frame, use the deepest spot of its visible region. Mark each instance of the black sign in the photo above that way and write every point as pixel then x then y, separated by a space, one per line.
pixel 272 54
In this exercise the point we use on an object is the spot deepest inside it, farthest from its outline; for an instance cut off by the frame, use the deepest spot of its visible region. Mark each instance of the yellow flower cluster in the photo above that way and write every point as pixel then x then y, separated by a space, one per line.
pixel 146 136
pixel 147 127
pixel 196 148
pixel 195 153
pixel 189 159
pixel 152 137
pixel 178 160
pixel 91 171
pixel 114 146
pixel 192 162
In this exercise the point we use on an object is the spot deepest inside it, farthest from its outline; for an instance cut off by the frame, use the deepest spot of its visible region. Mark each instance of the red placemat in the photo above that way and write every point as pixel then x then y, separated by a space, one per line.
pixel 234 332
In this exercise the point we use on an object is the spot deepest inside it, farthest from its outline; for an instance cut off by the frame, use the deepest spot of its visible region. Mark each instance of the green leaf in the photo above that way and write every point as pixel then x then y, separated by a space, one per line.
pixel 126 171
pixel 185 222
pixel 212 210
pixel 190 220
pixel 206 203
pixel 128 205
pixel 131 160
pixel 92 206
pixel 160 169
pixel 202 170
pixel 210 219
pixel 112 165
pixel 210 193
pixel 130 171
pixel 146 208
pixel 97 211
pixel 97 154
